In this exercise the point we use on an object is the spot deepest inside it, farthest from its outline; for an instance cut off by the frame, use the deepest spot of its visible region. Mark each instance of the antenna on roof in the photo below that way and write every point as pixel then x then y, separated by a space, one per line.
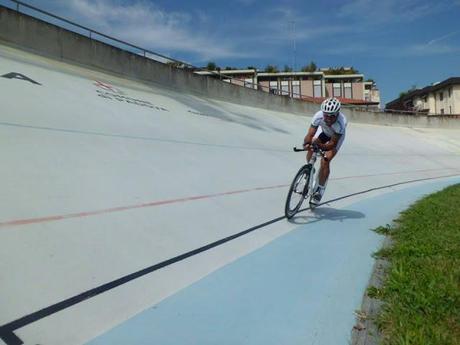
pixel 293 45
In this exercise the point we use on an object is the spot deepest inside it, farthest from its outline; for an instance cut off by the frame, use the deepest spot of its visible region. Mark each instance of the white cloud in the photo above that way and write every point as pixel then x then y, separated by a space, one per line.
pixel 442 38
pixel 430 49
pixel 142 23
pixel 375 12
pixel 375 50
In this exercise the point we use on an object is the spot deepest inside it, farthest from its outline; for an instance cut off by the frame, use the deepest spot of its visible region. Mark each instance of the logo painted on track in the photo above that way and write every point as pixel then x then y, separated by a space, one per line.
pixel 108 91
pixel 15 75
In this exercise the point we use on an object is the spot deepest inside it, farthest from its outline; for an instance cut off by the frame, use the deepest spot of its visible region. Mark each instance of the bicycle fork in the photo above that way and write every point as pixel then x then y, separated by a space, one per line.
pixel 313 180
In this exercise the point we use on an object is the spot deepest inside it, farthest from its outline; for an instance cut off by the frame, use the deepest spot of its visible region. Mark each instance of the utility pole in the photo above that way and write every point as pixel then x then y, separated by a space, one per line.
pixel 292 22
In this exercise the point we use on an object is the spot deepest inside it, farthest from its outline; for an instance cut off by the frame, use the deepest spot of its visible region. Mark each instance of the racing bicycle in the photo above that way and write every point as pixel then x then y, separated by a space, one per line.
pixel 304 183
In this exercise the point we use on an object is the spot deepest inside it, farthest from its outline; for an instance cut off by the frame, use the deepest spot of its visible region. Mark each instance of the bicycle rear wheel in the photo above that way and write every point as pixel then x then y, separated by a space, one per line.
pixel 297 191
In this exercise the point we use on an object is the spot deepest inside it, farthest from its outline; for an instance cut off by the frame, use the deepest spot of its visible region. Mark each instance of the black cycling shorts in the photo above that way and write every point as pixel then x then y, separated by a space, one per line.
pixel 323 138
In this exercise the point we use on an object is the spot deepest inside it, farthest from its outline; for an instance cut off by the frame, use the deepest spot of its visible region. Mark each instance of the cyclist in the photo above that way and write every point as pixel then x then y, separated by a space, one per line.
pixel 327 131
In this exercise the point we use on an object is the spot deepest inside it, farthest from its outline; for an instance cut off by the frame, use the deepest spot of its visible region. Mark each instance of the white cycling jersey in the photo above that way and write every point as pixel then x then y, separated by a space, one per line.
pixel 338 127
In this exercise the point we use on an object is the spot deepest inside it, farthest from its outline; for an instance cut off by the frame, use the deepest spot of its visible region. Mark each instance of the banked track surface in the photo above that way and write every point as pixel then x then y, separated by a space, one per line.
pixel 104 177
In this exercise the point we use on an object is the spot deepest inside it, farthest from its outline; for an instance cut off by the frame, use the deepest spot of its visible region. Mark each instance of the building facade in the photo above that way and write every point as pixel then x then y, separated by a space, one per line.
pixel 312 86
pixel 438 99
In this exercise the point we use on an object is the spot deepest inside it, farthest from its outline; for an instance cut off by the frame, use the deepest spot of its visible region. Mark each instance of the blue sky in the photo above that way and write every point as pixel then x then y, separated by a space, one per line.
pixel 397 43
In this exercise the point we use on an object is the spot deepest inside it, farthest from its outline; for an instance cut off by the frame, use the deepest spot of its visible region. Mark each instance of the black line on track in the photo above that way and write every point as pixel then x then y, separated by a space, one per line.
pixel 7 330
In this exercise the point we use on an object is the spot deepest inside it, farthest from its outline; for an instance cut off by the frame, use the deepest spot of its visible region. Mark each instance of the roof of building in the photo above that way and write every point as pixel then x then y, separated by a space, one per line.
pixel 227 71
pixel 447 82
pixel 343 76
pixel 342 100
pixel 285 74
pixel 425 91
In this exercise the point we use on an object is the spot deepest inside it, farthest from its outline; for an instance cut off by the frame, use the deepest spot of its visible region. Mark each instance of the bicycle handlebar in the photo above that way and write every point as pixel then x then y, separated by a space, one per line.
pixel 315 148
pixel 295 149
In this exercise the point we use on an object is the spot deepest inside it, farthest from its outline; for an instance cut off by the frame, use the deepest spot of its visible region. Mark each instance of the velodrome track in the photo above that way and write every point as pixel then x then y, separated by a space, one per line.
pixel 160 213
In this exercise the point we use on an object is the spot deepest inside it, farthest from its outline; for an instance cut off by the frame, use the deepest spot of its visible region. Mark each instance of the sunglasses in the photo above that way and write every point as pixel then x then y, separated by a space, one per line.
pixel 330 114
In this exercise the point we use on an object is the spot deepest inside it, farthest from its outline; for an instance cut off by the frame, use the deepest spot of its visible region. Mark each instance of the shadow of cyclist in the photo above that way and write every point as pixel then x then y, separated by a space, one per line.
pixel 326 213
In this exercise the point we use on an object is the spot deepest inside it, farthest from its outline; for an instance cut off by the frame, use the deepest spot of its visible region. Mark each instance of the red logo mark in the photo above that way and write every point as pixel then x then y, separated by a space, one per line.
pixel 107 87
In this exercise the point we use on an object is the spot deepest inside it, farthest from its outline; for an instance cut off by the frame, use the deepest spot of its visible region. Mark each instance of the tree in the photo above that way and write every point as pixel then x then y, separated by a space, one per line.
pixel 287 68
pixel 271 69
pixel 211 66
pixel 405 93
pixel 341 70
pixel 311 67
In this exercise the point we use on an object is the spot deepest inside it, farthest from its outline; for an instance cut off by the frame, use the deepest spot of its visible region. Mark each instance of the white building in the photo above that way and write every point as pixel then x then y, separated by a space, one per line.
pixel 441 98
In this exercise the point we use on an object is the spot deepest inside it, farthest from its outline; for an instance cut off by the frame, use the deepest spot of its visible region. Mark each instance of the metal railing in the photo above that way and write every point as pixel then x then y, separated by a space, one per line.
pixel 92 32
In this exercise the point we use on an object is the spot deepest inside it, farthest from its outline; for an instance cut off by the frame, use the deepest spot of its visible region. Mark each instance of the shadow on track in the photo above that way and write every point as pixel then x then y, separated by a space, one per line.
pixel 326 213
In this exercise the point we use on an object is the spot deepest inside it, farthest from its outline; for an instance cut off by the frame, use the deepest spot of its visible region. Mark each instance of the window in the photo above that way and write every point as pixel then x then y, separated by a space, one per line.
pixel 273 87
pixel 336 90
pixel 296 88
pixel 347 90
pixel 285 88
pixel 441 96
pixel 425 99
pixel 442 111
pixel 248 83
pixel 317 88
pixel 450 91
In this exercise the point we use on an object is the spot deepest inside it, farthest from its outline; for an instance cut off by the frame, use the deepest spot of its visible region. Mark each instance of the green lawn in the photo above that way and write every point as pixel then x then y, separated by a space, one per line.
pixel 421 291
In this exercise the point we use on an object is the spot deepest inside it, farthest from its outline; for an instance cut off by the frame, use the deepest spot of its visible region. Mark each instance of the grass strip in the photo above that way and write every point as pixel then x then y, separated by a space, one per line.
pixel 421 288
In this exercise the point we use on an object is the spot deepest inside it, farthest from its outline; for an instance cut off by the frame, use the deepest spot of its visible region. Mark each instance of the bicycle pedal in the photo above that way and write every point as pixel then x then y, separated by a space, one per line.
pixel 313 205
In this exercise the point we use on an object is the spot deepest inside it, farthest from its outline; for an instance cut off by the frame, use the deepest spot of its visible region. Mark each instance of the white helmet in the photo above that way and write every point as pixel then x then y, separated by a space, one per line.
pixel 330 106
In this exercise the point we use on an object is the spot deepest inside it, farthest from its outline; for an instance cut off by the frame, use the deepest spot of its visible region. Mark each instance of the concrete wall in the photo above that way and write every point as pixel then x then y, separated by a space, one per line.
pixel 357 90
pixel 28 33
pixel 306 87
pixel 328 90
pixel 456 99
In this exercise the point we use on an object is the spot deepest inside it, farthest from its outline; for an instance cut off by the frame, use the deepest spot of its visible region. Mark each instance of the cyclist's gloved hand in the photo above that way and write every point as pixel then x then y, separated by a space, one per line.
pixel 306 145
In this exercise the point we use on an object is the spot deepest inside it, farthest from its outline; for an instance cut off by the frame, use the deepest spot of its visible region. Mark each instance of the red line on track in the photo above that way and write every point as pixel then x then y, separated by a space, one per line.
pixel 26 221
pixel 124 208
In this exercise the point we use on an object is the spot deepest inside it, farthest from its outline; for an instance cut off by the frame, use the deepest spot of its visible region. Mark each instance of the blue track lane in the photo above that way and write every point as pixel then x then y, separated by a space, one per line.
pixel 300 289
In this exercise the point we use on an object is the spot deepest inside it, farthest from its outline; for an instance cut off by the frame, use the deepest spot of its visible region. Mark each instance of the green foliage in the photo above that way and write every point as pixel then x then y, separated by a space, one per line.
pixel 405 93
pixel 341 71
pixel 383 230
pixel 211 66
pixel 374 292
pixel 421 291
pixel 287 69
pixel 271 69
pixel 382 253
pixel 311 67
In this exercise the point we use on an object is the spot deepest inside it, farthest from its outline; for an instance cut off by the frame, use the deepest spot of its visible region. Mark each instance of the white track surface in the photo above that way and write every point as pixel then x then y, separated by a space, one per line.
pixel 96 188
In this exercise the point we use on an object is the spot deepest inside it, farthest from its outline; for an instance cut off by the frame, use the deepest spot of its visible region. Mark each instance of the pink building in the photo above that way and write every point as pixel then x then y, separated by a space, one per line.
pixel 311 86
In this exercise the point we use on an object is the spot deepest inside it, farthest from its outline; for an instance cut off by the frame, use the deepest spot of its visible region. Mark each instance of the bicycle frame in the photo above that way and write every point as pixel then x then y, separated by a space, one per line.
pixel 313 181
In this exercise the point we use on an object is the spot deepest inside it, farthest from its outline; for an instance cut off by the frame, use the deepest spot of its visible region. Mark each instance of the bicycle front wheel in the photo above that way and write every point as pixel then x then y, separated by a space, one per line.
pixel 297 191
